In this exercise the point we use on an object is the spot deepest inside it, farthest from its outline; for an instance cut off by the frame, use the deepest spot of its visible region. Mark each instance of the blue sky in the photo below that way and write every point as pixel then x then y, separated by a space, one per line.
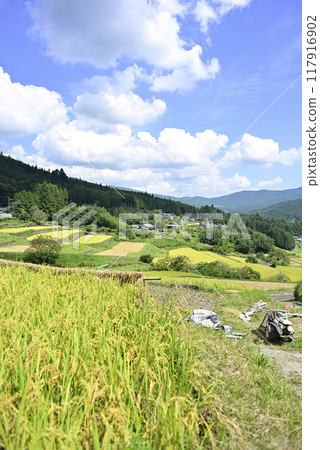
pixel 148 94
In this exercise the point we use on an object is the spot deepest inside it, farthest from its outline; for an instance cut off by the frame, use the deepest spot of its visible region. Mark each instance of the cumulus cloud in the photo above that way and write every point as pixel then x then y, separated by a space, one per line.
pixel 102 33
pixel 289 157
pixel 253 150
pixel 112 101
pixel 28 109
pixel 164 164
pixel 120 149
pixel 98 111
pixel 276 181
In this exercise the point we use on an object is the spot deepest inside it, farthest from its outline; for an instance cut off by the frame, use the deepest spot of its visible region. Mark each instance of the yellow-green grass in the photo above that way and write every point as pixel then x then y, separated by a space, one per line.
pixel 23 229
pixel 61 234
pixel 86 363
pixel 294 273
pixel 197 257
pixel 151 249
pixel 92 239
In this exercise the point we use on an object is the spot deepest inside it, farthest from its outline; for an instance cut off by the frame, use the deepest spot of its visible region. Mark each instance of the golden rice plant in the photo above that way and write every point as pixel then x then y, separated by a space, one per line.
pixel 88 363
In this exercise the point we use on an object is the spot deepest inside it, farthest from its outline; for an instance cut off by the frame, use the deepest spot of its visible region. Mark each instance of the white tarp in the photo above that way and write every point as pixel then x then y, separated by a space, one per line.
pixel 206 318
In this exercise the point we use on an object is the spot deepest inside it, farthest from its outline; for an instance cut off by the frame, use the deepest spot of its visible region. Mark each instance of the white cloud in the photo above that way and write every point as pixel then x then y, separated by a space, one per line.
pixel 98 111
pixel 204 13
pixel 225 6
pixel 184 77
pixel 27 109
pixel 213 10
pixel 101 33
pixel 289 157
pixel 276 181
pixel 253 150
pixel 120 149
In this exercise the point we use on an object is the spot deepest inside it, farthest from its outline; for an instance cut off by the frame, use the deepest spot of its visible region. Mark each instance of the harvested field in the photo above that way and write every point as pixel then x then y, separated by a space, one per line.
pixel 14 249
pixel 182 297
pixel 123 249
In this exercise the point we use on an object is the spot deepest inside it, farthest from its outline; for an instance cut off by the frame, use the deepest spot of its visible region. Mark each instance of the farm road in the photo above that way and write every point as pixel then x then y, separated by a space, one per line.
pixel 289 363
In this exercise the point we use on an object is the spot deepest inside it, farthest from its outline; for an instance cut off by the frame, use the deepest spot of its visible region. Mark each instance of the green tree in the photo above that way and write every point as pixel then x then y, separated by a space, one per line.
pixel 262 243
pixel 43 249
pixel 180 263
pixel 39 217
pixel 279 257
pixel 298 292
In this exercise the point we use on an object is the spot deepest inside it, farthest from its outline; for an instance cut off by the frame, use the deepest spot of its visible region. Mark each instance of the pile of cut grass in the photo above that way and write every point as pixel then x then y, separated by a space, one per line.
pixel 114 371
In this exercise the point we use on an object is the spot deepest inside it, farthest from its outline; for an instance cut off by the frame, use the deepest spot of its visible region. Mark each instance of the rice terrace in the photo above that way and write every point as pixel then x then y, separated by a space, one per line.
pixel 151 224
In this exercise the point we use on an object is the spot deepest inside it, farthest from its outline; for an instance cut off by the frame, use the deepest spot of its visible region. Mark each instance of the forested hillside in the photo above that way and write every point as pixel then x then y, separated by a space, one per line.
pixel 291 210
pixel 16 176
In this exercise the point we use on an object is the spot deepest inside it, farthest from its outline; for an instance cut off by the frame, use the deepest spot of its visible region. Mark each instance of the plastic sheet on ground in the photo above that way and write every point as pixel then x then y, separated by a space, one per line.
pixel 206 318
pixel 244 317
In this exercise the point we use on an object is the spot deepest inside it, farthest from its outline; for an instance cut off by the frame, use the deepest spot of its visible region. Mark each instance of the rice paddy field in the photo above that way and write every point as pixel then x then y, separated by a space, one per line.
pixel 293 273
pixel 23 229
pixel 59 234
pixel 88 363
pixel 93 239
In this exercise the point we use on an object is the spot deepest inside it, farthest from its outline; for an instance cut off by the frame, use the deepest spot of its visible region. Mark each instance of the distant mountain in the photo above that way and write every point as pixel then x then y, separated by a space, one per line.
pixel 245 201
pixel 290 210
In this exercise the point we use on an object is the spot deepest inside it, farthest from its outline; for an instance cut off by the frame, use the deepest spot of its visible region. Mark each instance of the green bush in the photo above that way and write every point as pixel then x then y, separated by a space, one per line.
pixel 219 270
pixel 260 256
pixel 179 263
pixel 43 249
pixel 146 258
pixel 161 264
pixel 249 274
pixel 298 292
pixel 278 258
pixel 251 259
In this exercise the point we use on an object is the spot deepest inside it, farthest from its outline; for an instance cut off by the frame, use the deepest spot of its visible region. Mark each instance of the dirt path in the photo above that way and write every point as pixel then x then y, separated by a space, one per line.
pixel 14 249
pixel 289 363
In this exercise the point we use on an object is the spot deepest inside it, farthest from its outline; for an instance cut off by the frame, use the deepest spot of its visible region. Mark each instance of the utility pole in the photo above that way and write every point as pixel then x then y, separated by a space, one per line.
pixel 9 206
